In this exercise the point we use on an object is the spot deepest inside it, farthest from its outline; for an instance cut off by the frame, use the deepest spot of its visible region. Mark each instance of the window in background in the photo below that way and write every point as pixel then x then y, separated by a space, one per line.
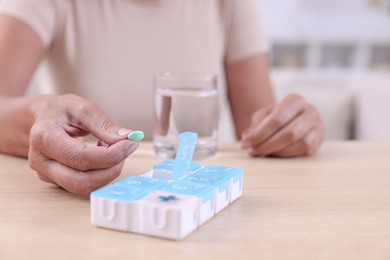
pixel 291 55
pixel 338 56
pixel 332 34
pixel 380 57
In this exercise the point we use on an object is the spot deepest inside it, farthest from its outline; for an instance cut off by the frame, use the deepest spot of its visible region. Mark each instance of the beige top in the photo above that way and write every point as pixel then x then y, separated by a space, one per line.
pixel 109 50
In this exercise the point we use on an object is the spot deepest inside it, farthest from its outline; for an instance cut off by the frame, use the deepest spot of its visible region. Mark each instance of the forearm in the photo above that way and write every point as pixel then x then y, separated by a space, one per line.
pixel 249 89
pixel 21 51
pixel 16 120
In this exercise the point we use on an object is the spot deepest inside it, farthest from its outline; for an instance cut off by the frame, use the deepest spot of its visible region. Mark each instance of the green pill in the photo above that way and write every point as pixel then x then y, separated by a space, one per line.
pixel 136 136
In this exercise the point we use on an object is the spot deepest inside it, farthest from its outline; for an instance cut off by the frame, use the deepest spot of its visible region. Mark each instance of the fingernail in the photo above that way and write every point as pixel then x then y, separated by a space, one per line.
pixel 133 146
pixel 123 132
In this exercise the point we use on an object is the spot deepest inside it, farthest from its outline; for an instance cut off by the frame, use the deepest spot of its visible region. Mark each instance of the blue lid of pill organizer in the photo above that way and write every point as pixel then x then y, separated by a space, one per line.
pixel 184 154
pixel 120 193
pixel 167 165
pixel 235 173
pixel 215 179
pixel 203 191
pixel 144 183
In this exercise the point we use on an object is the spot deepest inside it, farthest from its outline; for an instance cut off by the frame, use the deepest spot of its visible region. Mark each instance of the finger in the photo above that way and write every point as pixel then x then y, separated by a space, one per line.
pixel 281 115
pixel 74 181
pixel 290 134
pixel 101 143
pixel 257 117
pixel 89 117
pixel 260 114
pixel 305 147
pixel 52 141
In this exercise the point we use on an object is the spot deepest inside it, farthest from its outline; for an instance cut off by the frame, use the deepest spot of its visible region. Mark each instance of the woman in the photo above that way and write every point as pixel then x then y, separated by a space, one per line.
pixel 100 56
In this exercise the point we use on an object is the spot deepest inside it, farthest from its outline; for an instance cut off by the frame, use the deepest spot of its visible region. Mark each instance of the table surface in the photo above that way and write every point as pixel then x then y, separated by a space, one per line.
pixel 335 205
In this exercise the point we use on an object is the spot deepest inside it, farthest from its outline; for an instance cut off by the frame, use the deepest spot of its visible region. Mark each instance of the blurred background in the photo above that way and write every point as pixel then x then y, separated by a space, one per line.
pixel 336 53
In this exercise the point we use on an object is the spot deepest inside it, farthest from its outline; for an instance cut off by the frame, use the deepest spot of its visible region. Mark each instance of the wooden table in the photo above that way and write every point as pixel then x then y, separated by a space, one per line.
pixel 335 205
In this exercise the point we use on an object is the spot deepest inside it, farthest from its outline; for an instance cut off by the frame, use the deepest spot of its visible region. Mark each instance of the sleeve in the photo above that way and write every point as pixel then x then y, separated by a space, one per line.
pixel 41 15
pixel 244 32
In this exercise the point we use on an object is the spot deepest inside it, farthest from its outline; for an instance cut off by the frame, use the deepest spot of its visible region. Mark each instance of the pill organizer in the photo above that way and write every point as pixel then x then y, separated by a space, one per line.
pixel 171 200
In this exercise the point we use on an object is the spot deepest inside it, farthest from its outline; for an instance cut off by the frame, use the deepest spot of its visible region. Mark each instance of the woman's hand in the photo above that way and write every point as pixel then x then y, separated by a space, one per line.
pixel 291 128
pixel 59 156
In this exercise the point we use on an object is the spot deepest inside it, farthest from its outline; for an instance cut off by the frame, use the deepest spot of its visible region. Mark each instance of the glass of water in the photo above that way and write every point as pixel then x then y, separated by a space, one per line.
pixel 186 102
